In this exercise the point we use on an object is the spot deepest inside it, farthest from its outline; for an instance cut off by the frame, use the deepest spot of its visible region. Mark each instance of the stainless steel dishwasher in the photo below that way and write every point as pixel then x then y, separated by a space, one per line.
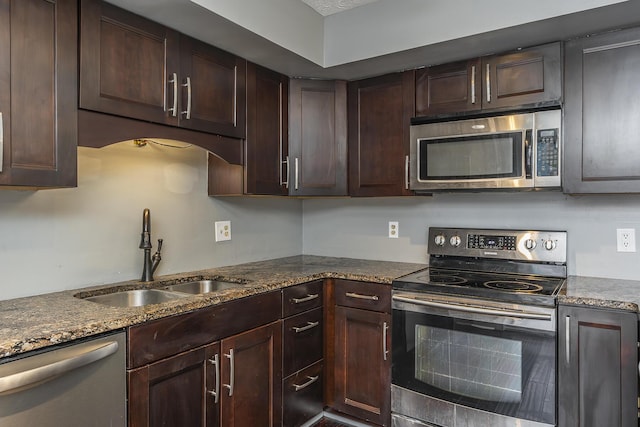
pixel 80 384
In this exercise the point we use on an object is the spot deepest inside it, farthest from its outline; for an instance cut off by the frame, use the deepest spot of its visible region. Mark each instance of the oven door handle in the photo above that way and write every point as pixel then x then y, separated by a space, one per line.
pixel 472 309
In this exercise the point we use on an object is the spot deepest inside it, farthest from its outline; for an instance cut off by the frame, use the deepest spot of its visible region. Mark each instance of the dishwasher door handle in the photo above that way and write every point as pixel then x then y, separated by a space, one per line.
pixel 21 380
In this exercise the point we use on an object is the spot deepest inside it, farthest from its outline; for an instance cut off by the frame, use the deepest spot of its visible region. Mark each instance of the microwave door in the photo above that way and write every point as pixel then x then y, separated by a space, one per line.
pixel 494 160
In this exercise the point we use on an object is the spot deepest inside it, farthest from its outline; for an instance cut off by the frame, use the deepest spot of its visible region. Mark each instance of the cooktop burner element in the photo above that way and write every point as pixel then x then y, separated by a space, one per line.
pixel 512 285
pixel 530 268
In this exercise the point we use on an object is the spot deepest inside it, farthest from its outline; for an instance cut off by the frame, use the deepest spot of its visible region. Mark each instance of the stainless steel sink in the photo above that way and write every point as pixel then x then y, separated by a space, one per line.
pixel 135 298
pixel 202 286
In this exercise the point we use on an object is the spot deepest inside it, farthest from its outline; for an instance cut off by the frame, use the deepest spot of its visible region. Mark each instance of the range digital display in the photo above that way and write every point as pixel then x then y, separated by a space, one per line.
pixel 481 241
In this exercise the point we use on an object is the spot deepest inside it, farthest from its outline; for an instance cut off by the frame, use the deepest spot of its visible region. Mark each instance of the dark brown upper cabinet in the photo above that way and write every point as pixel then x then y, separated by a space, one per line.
pixel 317 159
pixel 38 93
pixel 601 126
pixel 527 78
pixel 136 68
pixel 380 111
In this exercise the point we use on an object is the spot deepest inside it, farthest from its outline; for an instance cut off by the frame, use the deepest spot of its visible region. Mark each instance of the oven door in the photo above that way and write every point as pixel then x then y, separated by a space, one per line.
pixel 492 357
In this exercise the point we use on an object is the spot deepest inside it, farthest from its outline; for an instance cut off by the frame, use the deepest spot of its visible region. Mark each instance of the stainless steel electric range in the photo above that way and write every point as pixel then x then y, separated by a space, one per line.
pixel 474 335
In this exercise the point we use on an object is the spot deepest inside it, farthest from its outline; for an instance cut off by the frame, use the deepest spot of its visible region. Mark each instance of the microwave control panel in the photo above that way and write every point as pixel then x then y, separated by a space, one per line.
pixel 547 152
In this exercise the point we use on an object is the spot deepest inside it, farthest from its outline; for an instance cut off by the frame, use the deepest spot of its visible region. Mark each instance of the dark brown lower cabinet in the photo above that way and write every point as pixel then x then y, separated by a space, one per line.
pixel 236 382
pixel 302 395
pixel 362 367
pixel 597 367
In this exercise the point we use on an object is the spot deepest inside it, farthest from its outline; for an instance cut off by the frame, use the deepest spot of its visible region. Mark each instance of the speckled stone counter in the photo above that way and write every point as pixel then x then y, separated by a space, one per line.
pixel 602 293
pixel 40 321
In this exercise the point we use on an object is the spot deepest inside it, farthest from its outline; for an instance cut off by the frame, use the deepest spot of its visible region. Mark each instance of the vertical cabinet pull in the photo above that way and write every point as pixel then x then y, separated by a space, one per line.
pixel 385 351
pixel 297 176
pixel 216 392
pixel 231 372
pixel 473 84
pixel 488 79
pixel 1 142
pixel 174 81
pixel 187 112
pixel 282 181
pixel 567 339
pixel 406 172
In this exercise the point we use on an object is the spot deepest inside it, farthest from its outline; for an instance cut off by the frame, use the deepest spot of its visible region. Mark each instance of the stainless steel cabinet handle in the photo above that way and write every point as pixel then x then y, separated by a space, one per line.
pixel 567 339
pixel 312 380
pixel 309 297
pixel 360 296
pixel 406 172
pixel 187 112
pixel 310 325
pixel 20 380
pixel 282 181
pixel 1 142
pixel 174 80
pixel 296 178
pixel 473 84
pixel 488 77
pixel 215 393
pixel 231 372
pixel 385 352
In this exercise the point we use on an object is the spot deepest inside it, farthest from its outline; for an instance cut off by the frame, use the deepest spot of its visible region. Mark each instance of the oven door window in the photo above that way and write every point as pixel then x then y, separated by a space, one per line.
pixel 496 368
pixel 471 157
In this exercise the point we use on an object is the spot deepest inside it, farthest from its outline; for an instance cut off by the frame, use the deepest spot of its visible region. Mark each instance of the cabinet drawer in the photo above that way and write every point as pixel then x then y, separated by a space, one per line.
pixel 165 337
pixel 302 340
pixel 299 298
pixel 302 396
pixel 364 295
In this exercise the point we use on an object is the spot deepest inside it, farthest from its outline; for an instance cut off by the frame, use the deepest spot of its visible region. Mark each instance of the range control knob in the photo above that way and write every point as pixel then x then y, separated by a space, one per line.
pixel 440 240
pixel 455 241
pixel 549 244
pixel 530 244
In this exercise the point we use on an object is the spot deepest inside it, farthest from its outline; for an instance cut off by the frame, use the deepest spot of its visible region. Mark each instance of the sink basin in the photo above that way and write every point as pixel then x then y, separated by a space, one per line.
pixel 135 298
pixel 202 286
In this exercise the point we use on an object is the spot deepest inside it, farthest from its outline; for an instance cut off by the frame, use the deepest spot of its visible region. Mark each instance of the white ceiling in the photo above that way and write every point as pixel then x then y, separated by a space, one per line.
pixel 380 36
pixel 329 7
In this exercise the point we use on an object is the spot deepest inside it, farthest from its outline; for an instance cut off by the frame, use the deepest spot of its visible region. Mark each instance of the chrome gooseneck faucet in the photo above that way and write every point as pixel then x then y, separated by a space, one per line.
pixel 150 262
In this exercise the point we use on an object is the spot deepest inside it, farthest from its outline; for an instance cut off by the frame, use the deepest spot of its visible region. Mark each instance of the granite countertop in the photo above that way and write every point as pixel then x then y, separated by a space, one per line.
pixel 36 322
pixel 602 293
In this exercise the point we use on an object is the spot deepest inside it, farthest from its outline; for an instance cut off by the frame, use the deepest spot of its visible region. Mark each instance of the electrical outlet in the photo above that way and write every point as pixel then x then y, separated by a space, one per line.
pixel 223 231
pixel 393 229
pixel 626 239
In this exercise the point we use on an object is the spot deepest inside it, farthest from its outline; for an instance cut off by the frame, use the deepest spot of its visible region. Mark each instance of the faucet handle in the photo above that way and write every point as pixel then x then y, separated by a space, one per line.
pixel 159 245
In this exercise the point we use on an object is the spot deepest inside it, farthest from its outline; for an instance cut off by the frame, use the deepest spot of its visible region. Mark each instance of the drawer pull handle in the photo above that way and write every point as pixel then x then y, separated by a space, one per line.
pixel 360 296
pixel 312 380
pixel 309 297
pixel 310 325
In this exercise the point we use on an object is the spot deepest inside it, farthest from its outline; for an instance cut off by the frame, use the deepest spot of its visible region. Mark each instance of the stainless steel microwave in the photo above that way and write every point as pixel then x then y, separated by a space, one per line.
pixel 518 151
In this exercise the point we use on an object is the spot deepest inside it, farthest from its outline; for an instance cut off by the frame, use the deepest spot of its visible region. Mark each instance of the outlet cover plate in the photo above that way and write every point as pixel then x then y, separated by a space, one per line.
pixel 394 229
pixel 223 231
pixel 626 239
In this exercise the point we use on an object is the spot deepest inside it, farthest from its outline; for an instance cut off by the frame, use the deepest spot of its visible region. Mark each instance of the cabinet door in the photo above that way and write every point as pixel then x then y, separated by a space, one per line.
pixel 317 138
pixel 251 375
pixel 597 368
pixel 38 89
pixel 127 64
pixel 362 364
pixel 213 89
pixel 449 88
pixel 601 126
pixel 178 391
pixel 529 77
pixel 266 144
pixel 380 111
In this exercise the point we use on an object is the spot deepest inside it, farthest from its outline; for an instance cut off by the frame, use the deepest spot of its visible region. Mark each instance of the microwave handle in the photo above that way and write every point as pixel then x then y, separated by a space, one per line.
pixel 528 154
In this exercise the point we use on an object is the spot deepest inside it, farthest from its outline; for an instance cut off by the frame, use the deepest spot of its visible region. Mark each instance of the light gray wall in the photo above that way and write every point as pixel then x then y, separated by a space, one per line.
pixel 61 239
pixel 358 227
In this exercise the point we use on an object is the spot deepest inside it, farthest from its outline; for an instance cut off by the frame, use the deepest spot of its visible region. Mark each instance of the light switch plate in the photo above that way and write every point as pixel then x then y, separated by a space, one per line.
pixel 223 231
